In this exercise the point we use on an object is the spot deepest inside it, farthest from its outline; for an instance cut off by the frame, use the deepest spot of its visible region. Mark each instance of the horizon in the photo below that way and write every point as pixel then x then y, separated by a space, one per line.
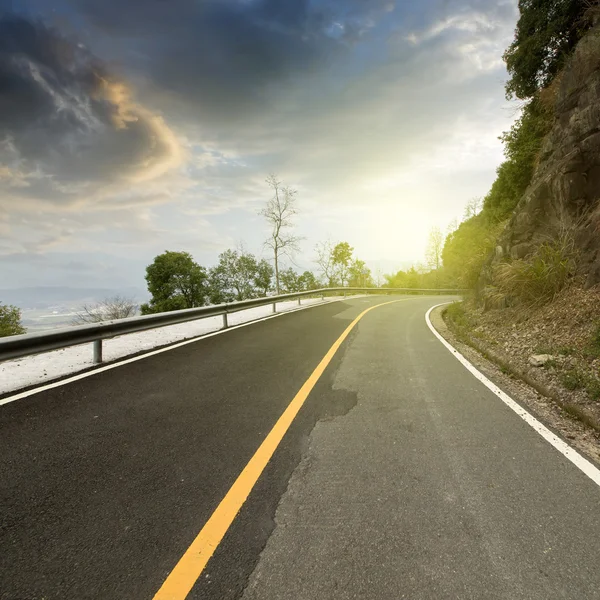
pixel 154 133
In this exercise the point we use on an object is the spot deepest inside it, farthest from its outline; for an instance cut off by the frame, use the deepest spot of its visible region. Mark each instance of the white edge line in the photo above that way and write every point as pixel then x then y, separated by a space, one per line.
pixel 579 461
pixel 49 386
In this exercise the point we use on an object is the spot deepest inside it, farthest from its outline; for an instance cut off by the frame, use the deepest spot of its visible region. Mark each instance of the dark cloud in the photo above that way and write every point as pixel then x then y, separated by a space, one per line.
pixel 64 120
pixel 223 58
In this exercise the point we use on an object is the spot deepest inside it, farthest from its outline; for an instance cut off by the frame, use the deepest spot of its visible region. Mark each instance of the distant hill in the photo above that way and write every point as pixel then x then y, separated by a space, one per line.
pixel 53 296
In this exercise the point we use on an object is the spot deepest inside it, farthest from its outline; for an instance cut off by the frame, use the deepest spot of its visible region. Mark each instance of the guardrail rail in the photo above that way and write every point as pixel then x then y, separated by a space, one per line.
pixel 18 346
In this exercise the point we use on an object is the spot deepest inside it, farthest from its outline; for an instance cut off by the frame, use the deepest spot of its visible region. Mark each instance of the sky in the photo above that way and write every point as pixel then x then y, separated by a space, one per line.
pixel 131 127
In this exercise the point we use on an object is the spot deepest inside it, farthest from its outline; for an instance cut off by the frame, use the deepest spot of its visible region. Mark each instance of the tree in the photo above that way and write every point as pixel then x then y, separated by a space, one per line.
pixel 341 257
pixel 239 276
pixel 263 280
pixel 309 281
pixel 435 244
pixel 359 274
pixel 522 145
pixel 279 214
pixel 325 262
pixel 293 282
pixel 405 279
pixel 546 33
pixel 466 250
pixel 108 309
pixel 10 320
pixel 290 281
pixel 472 208
pixel 452 226
pixel 175 282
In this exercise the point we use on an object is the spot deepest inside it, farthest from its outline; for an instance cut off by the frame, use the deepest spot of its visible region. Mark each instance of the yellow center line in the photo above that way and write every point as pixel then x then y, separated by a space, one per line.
pixel 190 566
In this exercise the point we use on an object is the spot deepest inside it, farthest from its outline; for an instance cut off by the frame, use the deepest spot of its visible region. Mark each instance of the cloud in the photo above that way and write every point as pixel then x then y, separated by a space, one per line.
pixel 222 61
pixel 66 125
pixel 385 116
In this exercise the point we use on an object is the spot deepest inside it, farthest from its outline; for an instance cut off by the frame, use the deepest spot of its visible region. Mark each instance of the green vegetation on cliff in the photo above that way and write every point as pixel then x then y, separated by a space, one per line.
pixel 545 36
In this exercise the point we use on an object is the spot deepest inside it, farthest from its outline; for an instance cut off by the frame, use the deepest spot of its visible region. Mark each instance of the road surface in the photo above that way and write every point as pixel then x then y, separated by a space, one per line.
pixel 402 476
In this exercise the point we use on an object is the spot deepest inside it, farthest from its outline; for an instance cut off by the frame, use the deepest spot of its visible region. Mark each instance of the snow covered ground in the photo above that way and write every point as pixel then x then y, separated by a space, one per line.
pixel 42 368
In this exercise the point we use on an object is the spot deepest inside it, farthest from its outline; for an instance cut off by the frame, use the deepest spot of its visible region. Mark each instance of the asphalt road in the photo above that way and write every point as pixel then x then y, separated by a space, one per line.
pixel 401 477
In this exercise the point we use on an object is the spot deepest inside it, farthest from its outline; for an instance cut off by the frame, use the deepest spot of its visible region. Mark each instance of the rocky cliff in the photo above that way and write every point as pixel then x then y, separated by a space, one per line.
pixel 565 190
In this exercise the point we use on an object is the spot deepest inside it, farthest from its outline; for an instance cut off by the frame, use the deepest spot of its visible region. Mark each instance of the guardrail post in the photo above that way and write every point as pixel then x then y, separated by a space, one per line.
pixel 97 351
pixel 323 297
pixel 299 301
pixel 274 307
pixel 225 324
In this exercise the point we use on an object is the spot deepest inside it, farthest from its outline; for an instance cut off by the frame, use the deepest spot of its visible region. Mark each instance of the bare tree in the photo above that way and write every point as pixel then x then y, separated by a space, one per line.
pixel 433 253
pixel 473 208
pixel 325 262
pixel 379 277
pixel 452 226
pixel 109 309
pixel 279 213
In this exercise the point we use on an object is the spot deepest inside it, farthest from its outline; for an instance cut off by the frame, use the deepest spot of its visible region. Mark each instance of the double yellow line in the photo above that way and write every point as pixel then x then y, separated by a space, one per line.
pixel 190 566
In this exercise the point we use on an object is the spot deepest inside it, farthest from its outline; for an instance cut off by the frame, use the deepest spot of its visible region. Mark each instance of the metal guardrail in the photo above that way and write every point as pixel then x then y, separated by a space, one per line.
pixel 18 346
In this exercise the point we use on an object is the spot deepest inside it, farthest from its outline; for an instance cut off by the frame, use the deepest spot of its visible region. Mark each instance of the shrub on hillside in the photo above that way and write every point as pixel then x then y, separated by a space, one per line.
pixel 537 279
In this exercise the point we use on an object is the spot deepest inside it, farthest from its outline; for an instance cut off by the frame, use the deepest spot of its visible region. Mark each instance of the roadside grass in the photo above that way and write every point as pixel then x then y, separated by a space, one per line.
pixel 593 388
pixel 551 364
pixel 457 314
pixel 535 280
pixel 573 379
pixel 554 350
pixel 565 350
pixel 593 347
pixel 580 414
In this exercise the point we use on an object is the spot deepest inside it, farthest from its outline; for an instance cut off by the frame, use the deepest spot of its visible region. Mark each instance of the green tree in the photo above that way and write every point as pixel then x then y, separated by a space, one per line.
pixel 239 276
pixel 546 33
pixel 293 282
pixel 10 320
pixel 175 282
pixel 359 274
pixel 263 280
pixel 290 281
pixel 341 257
pixel 522 145
pixel 309 281
pixel 467 249
pixel 404 279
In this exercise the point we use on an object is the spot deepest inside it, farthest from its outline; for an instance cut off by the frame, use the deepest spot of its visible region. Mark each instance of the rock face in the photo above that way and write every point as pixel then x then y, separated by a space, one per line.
pixel 565 190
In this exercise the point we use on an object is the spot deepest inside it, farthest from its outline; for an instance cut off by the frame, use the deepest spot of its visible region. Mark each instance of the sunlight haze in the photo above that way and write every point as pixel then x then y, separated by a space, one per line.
pixel 163 120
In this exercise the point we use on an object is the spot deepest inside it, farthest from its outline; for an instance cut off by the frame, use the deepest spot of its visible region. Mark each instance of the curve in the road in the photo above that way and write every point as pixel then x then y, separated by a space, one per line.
pixel 189 568
pixel 579 461
pixel 8 397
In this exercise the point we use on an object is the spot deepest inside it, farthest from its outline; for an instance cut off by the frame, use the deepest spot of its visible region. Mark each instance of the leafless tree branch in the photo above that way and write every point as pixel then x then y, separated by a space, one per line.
pixel 109 309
